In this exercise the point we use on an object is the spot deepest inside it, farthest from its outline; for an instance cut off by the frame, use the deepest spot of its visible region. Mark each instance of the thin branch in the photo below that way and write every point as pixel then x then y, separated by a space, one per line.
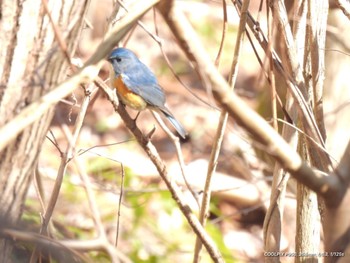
pixel 102 235
pixel 174 189
pixel 214 155
pixel 65 245
pixel 309 121
pixel 306 136
pixel 344 6
pixel 83 151
pixel 273 92
pixel 168 62
pixel 317 15
pixel 121 194
pixel 142 25
pixel 58 36
pixel 36 109
pixel 50 245
pixel 224 31
pixel 294 80
pixel 120 30
pixel 39 107
pixel 39 189
pixel 326 186
pixel 175 140
pixel 90 198
pixel 67 156
pixel 159 41
pixel 285 112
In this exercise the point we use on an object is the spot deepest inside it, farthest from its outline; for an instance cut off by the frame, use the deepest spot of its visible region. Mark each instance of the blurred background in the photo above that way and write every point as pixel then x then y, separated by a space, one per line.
pixel 151 227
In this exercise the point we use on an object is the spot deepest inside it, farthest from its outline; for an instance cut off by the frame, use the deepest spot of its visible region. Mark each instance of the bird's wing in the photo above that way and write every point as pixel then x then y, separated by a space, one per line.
pixel 143 82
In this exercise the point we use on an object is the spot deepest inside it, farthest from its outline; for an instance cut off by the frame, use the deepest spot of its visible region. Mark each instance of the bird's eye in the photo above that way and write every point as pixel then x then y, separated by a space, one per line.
pixel 118 59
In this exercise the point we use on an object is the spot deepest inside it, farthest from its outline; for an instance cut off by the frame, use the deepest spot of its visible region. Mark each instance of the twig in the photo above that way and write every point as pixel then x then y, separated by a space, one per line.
pixel 121 194
pixel 214 155
pixel 224 31
pixel 82 151
pixel 142 25
pixel 89 72
pixel 97 244
pixel 155 38
pixel 316 40
pixel 57 32
pixel 300 94
pixel 277 197
pixel 91 198
pixel 102 236
pixel 159 41
pixel 294 80
pixel 167 60
pixel 65 245
pixel 66 157
pixel 175 140
pixel 174 189
pixel 39 189
pixel 50 245
pixel 119 31
pixel 344 6
pixel 273 93
pixel 245 116
pixel 306 136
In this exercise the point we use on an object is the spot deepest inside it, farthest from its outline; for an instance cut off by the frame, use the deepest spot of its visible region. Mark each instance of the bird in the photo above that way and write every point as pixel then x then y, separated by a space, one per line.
pixel 138 87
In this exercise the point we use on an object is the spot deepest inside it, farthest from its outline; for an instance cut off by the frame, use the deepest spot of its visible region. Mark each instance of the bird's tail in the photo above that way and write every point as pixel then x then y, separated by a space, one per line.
pixel 177 125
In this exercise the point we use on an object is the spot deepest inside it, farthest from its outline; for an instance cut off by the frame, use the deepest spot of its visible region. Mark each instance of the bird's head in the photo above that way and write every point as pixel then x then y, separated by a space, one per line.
pixel 122 59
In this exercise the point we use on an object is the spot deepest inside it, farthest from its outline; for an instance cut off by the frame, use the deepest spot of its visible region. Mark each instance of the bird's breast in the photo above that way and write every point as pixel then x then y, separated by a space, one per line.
pixel 128 97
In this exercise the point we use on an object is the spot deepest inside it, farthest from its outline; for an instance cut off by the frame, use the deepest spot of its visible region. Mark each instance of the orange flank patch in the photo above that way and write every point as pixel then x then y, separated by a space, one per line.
pixel 128 97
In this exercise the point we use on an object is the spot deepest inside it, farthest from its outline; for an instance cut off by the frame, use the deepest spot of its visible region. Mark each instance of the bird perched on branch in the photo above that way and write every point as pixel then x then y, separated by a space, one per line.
pixel 137 86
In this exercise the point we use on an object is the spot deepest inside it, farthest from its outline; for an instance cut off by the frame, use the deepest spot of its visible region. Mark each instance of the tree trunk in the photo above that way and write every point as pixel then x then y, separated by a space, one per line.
pixel 31 64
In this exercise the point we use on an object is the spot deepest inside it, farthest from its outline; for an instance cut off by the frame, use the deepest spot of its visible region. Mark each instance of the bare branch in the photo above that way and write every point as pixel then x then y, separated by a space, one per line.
pixel 214 155
pixel 174 189
pixel 36 109
pixel 176 141
pixel 261 131
pixel 344 6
